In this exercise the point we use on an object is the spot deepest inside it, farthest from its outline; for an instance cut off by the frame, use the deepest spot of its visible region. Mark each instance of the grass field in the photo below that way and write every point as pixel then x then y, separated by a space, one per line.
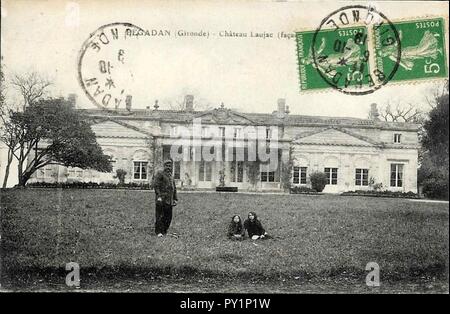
pixel 321 243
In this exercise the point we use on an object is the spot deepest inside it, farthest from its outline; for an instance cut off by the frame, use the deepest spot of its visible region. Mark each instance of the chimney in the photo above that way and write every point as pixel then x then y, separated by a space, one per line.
pixel 373 113
pixel 72 98
pixel 189 103
pixel 128 102
pixel 281 112
pixel 287 110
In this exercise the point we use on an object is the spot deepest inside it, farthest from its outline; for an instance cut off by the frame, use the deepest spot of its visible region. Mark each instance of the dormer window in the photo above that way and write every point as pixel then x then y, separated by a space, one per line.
pixel 397 137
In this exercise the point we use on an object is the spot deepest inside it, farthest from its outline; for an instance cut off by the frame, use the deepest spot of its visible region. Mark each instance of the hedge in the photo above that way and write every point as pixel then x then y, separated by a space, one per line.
pixel 302 190
pixel 381 194
pixel 90 185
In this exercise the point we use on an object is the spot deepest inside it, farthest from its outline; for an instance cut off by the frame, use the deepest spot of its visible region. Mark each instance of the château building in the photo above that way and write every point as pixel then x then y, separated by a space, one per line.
pixel 355 154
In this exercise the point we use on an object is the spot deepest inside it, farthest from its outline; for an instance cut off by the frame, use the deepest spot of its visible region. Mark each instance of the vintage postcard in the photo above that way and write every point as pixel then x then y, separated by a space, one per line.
pixel 261 147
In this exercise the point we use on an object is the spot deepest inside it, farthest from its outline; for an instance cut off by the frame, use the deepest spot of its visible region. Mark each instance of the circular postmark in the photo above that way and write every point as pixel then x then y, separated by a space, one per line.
pixel 105 65
pixel 344 49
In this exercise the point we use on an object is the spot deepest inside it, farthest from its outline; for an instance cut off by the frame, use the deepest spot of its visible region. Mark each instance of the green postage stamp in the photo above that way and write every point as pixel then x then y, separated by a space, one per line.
pixel 360 58
pixel 423 54
pixel 338 53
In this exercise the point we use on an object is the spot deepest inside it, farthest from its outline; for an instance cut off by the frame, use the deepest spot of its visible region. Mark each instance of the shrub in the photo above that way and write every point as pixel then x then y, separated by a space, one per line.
pixel 302 189
pixel 286 176
pixel 318 181
pixel 90 185
pixel 435 188
pixel 384 193
pixel 222 178
pixel 120 174
pixel 377 186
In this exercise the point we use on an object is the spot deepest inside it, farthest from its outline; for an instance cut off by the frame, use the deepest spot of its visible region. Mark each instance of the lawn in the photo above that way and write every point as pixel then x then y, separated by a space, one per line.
pixel 319 241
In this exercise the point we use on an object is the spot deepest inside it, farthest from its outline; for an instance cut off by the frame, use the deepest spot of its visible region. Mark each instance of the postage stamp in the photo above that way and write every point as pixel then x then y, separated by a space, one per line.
pixel 340 54
pixel 423 53
pixel 337 58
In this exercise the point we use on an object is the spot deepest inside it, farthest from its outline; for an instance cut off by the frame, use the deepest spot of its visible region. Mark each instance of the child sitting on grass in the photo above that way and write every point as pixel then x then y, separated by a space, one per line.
pixel 235 229
pixel 254 227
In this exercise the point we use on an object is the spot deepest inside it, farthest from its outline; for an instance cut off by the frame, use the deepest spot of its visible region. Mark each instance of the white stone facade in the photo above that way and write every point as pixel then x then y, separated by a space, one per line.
pixel 357 154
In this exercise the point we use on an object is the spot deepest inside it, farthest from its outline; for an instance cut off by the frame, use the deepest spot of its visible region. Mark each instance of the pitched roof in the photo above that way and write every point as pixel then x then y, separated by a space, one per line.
pixel 116 128
pixel 255 118
pixel 335 136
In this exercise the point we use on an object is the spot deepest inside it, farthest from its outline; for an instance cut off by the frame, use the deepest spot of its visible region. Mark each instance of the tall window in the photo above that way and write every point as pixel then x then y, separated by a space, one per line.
pixel 268 133
pixel 177 170
pixel 140 170
pixel 299 176
pixel 237 171
pixel 396 175
pixel 362 177
pixel 267 174
pixel 166 151
pixel 332 175
pixel 205 171
pixel 397 138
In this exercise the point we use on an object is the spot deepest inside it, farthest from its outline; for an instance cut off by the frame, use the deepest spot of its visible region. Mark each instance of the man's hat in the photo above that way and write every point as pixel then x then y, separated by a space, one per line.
pixel 167 161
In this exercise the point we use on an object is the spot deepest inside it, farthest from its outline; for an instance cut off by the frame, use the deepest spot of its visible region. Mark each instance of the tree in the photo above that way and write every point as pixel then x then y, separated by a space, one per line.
pixel 10 134
pixel 402 113
pixel 407 114
pixel 286 171
pixel 433 172
pixel 179 103
pixel 31 87
pixel 7 131
pixel 120 175
pixel 50 131
pixel 318 180
pixel 435 139
pixel 222 177
pixel 2 90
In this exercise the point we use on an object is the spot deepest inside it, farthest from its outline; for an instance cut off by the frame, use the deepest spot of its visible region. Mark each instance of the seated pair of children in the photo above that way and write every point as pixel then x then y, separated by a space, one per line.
pixel 255 230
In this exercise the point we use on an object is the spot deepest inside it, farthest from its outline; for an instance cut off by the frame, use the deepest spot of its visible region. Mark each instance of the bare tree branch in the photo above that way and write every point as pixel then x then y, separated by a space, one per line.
pixel 401 113
pixel 31 86
pixel 178 103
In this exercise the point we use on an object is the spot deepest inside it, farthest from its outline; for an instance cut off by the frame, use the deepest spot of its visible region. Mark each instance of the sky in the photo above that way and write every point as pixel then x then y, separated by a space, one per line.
pixel 247 74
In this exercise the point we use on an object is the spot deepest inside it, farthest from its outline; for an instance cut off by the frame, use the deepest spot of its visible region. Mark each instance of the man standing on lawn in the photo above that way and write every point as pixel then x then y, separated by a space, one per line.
pixel 166 198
